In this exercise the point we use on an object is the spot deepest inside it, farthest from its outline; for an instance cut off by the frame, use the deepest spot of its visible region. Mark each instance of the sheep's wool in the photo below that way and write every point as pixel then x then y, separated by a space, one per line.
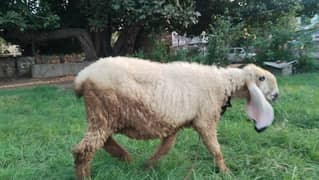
pixel 177 92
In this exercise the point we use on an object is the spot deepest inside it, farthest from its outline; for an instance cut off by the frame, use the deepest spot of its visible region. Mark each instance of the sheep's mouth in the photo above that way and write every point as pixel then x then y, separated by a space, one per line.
pixel 271 98
pixel 259 130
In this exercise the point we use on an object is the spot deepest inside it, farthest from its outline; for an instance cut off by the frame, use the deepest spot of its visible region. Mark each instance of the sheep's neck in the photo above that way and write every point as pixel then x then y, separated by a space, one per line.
pixel 237 83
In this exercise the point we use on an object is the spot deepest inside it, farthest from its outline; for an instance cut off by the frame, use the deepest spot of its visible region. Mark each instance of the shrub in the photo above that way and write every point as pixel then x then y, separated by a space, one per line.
pixel 218 42
pixel 306 64
pixel 138 54
pixel 273 39
pixel 160 52
pixel 223 34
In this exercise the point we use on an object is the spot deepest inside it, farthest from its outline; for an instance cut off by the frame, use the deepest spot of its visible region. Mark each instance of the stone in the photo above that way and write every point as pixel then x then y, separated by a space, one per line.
pixel 24 66
pixel 7 67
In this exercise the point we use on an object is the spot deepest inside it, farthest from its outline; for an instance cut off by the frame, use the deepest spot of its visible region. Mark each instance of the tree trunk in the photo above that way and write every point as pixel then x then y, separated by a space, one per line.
pixel 108 38
pixel 127 40
pixel 96 37
pixel 81 34
pixel 102 42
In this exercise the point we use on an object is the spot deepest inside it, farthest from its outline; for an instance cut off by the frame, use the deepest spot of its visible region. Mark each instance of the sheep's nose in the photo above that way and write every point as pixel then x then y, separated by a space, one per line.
pixel 275 96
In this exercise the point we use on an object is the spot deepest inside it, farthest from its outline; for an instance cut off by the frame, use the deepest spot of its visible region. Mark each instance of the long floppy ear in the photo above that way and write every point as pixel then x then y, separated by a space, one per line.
pixel 258 108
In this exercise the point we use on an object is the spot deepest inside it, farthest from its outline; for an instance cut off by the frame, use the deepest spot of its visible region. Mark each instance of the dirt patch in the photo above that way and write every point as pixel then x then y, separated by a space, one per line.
pixel 65 82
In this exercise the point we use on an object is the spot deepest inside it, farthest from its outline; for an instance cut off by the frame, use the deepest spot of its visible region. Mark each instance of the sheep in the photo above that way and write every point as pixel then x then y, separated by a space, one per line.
pixel 147 100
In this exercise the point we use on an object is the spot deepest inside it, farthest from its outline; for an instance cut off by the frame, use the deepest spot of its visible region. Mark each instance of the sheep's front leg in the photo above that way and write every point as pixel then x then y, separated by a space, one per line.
pixel 116 150
pixel 209 137
pixel 164 147
pixel 84 151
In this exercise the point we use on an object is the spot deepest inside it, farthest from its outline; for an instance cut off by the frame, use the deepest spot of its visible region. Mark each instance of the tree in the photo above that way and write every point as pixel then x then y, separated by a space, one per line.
pixel 93 22
pixel 129 18
pixel 310 8
pixel 32 22
pixel 250 12
pixel 222 36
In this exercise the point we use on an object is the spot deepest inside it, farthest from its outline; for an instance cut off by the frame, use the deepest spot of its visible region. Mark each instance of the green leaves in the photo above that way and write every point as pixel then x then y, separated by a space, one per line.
pixel 166 14
pixel 31 15
pixel 11 19
pixel 223 34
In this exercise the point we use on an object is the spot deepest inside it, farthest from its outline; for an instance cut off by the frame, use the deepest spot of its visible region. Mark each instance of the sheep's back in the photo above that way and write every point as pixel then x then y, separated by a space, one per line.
pixel 173 91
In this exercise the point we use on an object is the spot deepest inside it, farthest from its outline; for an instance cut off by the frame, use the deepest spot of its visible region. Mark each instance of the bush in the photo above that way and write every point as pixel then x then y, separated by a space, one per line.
pixel 187 55
pixel 223 34
pixel 218 42
pixel 138 54
pixel 273 39
pixel 160 52
pixel 306 64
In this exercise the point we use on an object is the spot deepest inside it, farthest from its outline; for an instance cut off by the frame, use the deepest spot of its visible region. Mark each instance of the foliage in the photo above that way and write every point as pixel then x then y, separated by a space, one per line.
pixel 251 12
pixel 99 13
pixel 272 42
pixel 28 15
pixel 223 34
pixel 179 55
pixel 188 55
pixel 306 64
pixel 267 26
pixel 122 13
pixel 39 126
pixel 257 13
pixel 102 18
pixel 138 54
pixel 302 48
pixel 159 52
pixel 168 14
pixel 310 7
pixel 305 20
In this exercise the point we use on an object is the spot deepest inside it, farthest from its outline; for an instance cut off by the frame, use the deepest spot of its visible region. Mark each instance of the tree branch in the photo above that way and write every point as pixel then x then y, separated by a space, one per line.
pixel 81 34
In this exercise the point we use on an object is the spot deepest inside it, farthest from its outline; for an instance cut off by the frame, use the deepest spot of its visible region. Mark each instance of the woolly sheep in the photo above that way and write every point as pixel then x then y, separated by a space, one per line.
pixel 147 100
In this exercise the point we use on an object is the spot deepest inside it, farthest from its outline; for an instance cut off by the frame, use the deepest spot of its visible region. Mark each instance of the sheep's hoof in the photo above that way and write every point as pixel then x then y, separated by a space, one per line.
pixel 126 158
pixel 82 172
pixel 148 165
pixel 225 171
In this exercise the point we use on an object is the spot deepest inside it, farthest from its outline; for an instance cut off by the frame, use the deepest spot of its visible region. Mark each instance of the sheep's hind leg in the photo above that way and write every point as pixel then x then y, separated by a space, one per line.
pixel 84 151
pixel 116 150
pixel 209 138
pixel 164 147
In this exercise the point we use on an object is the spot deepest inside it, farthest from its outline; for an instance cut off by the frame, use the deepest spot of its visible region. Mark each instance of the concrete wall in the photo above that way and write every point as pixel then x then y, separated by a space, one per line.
pixel 41 66
pixel 7 67
pixel 55 70
pixel 12 67
pixel 59 59
pixel 24 65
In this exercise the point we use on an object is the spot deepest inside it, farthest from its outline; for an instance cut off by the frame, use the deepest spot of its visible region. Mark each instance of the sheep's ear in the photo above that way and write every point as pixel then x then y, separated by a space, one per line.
pixel 258 108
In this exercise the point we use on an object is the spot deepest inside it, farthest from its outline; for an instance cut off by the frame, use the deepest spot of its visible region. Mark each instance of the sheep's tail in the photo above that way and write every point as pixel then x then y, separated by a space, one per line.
pixel 79 85
pixel 78 88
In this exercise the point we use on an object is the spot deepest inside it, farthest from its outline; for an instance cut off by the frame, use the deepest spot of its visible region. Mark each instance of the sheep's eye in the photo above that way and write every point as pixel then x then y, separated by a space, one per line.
pixel 262 78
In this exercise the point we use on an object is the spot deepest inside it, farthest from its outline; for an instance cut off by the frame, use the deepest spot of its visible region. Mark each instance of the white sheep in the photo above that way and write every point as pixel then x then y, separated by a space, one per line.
pixel 147 100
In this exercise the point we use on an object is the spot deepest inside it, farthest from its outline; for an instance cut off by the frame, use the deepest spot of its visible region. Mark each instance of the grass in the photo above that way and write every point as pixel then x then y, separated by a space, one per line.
pixel 39 125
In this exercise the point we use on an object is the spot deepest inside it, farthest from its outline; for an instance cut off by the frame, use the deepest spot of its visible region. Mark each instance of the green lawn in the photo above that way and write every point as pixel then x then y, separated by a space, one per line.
pixel 38 127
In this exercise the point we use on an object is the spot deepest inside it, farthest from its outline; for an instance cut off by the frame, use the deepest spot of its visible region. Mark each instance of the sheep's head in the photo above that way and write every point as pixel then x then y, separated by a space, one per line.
pixel 262 87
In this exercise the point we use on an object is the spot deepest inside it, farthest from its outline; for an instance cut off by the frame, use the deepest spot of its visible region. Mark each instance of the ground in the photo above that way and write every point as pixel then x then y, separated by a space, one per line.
pixel 40 124
pixel 64 82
